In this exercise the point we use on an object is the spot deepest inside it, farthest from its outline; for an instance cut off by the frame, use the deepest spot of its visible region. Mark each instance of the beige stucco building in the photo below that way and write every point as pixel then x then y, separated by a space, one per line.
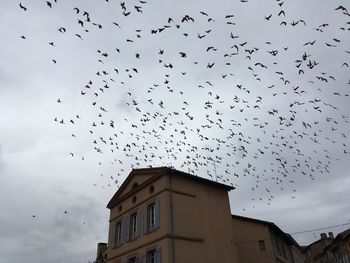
pixel 164 215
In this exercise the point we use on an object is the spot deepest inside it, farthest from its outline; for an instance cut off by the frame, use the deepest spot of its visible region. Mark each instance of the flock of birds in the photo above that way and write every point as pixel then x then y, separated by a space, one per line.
pixel 278 119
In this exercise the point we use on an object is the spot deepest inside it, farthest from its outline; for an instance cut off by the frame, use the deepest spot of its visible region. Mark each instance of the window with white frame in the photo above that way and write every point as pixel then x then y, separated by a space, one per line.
pixel 151 217
pixel 133 226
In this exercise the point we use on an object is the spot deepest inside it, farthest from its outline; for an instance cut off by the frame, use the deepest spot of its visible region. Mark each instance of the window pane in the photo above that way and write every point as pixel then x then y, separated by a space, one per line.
pixel 119 232
pixel 151 215
pixel 261 244
pixel 151 256
pixel 133 225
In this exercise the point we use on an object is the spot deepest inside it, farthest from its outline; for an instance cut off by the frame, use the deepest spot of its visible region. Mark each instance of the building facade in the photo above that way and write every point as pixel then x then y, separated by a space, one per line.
pixel 338 251
pixel 163 215
pixel 263 242
pixel 313 250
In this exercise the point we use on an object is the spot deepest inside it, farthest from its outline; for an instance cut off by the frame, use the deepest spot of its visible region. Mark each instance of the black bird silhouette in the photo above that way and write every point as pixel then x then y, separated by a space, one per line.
pixel 210 65
pixel 62 30
pixel 281 13
pixel 342 8
pixel 22 6
pixel 268 17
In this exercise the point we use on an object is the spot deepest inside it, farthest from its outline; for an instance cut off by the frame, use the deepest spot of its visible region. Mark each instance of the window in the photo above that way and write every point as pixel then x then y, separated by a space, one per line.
pixel 262 244
pixel 133 225
pixel 118 233
pixel 151 256
pixel 154 256
pixel 132 260
pixel 279 245
pixel 151 217
pixel 117 237
pixel 308 252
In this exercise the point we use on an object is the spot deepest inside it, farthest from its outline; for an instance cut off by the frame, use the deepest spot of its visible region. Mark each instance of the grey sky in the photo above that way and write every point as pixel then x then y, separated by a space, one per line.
pixel 278 134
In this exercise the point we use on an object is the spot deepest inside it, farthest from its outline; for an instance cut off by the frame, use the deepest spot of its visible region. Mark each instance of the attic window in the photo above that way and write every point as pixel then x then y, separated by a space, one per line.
pixel 151 189
pixel 134 199
pixel 261 244
pixel 135 185
pixel 120 208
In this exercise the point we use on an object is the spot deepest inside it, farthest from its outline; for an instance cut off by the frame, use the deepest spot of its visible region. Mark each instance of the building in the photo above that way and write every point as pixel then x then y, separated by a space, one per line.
pixel 313 250
pixel 262 242
pixel 164 215
pixel 338 251
pixel 100 256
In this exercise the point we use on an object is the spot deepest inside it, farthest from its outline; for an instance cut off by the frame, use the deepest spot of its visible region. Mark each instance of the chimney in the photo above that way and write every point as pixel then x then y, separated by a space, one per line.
pixel 330 234
pixel 323 236
pixel 101 247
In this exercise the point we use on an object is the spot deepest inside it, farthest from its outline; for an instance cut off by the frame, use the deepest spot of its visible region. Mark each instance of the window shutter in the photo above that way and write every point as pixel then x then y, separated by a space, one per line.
pixel 145 220
pixel 113 235
pixel 122 233
pixel 127 228
pixel 138 223
pixel 158 255
pixel 157 219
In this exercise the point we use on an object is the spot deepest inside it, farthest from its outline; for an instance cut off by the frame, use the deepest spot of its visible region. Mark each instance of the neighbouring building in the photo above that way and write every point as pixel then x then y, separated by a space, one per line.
pixel 313 250
pixel 100 257
pixel 261 241
pixel 336 252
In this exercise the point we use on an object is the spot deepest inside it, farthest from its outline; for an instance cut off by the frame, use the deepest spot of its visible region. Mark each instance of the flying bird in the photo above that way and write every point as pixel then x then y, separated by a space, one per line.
pixel 22 7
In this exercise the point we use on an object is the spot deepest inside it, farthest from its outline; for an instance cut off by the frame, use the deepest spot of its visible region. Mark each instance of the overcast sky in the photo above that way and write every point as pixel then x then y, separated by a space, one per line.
pixel 254 94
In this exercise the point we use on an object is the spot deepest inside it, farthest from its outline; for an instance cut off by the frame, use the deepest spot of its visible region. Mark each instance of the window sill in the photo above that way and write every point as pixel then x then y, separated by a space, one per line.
pixel 133 239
